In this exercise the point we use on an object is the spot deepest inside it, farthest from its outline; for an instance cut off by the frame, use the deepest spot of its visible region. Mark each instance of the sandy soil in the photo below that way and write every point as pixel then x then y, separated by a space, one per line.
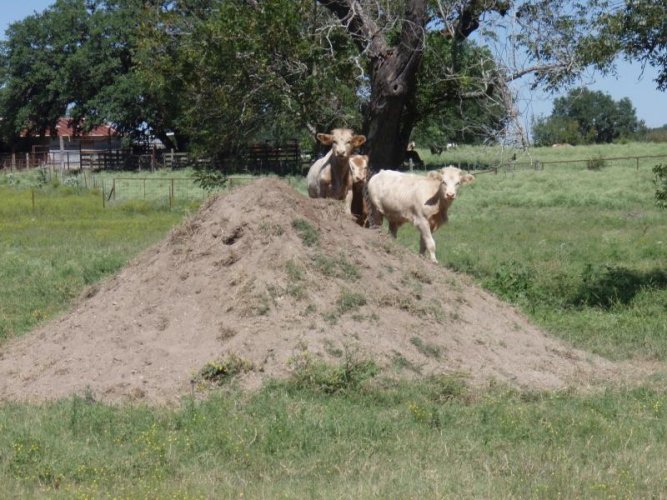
pixel 238 279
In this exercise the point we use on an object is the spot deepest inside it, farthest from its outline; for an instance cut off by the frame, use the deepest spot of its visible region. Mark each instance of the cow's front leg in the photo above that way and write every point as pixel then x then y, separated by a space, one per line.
pixel 348 202
pixel 426 241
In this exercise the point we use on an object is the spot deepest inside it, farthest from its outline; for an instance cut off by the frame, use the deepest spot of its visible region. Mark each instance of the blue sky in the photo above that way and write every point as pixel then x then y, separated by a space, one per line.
pixel 651 105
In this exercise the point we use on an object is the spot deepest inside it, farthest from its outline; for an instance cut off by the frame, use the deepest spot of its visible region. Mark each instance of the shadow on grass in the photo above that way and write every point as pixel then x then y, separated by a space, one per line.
pixel 606 286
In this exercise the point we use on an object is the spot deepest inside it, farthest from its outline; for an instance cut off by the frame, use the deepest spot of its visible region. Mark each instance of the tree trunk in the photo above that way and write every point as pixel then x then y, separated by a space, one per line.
pixel 391 113
pixel 389 118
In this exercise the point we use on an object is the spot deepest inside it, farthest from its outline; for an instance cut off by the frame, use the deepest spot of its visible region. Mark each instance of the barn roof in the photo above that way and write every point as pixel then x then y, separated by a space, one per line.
pixel 64 129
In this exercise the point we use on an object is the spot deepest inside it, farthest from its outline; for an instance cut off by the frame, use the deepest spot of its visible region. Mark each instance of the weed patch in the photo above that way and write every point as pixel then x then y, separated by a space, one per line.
pixel 427 349
pixel 220 372
pixel 307 232
pixel 319 376
pixel 350 301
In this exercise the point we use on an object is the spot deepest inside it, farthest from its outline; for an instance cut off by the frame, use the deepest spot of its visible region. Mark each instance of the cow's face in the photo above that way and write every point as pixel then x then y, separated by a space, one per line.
pixel 452 179
pixel 343 142
pixel 359 168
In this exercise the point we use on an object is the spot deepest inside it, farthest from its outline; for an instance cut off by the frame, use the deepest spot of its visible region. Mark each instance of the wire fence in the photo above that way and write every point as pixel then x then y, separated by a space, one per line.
pixel 593 163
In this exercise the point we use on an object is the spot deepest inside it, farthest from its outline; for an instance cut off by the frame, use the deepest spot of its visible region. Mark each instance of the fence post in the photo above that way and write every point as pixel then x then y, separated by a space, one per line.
pixel 113 189
pixel 104 203
pixel 637 163
pixel 172 190
pixel 33 200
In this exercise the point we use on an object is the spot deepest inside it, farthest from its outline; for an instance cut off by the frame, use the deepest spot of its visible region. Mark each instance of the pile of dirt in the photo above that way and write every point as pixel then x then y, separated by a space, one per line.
pixel 264 274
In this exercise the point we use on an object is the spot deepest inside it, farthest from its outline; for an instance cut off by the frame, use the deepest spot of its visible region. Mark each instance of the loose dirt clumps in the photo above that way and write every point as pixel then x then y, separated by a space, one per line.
pixel 264 275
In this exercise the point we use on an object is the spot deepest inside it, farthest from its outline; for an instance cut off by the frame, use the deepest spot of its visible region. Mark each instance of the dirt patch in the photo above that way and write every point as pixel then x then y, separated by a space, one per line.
pixel 264 274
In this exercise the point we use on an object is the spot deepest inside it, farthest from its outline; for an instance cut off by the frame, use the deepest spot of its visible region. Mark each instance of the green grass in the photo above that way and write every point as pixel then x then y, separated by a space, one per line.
pixel 49 254
pixel 495 155
pixel 583 252
pixel 370 440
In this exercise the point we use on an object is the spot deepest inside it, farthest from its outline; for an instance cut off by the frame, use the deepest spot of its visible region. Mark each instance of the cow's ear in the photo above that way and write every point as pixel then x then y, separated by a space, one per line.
pixel 326 139
pixel 467 178
pixel 358 140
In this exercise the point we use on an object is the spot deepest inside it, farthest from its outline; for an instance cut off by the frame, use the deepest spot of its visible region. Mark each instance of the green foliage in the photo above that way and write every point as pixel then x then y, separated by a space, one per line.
pixel 338 267
pixel 660 181
pixel 443 115
pixel 609 286
pixel 77 57
pixel 209 179
pixel 268 71
pixel 638 30
pixel 556 130
pixel 350 301
pixel 426 348
pixel 584 117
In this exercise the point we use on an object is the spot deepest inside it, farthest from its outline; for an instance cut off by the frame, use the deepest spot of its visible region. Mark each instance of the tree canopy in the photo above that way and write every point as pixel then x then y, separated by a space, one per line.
pixel 218 73
pixel 584 117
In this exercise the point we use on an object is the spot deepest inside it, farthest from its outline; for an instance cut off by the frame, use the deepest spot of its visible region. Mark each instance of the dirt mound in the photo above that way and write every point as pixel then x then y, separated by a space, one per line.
pixel 265 274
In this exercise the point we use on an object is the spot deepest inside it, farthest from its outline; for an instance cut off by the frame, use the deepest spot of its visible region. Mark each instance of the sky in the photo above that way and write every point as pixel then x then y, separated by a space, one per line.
pixel 651 104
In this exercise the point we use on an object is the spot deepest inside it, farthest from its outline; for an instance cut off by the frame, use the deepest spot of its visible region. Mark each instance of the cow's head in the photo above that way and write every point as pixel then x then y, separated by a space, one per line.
pixel 359 168
pixel 452 178
pixel 343 142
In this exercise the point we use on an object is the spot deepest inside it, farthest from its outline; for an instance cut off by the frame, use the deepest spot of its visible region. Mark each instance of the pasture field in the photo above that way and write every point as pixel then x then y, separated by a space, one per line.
pixel 68 241
pixel 582 252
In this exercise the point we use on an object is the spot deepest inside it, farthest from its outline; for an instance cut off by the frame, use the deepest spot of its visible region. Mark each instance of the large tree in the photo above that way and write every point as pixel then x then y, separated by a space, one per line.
pixel 539 38
pixel 586 116
pixel 635 28
pixel 76 58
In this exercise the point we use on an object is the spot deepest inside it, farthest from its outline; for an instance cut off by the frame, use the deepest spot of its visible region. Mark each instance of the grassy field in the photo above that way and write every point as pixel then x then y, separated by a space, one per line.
pixel 583 252
pixel 49 253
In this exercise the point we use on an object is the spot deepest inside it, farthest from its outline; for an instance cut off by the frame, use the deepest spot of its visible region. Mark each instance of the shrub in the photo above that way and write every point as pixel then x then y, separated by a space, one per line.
pixel 209 179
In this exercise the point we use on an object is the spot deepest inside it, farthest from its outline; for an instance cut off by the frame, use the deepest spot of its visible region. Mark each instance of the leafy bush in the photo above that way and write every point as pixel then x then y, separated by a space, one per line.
pixel 209 179
pixel 513 281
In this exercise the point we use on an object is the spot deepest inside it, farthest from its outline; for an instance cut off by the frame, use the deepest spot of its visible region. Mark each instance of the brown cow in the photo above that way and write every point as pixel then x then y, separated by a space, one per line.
pixel 330 176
